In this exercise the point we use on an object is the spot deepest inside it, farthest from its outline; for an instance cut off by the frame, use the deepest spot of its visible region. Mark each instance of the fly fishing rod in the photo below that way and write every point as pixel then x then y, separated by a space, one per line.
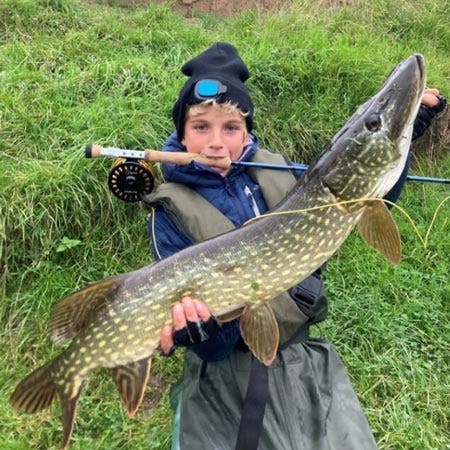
pixel 132 175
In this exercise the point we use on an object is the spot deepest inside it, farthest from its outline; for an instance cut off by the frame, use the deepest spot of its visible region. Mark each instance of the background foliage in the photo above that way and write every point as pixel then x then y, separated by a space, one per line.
pixel 73 72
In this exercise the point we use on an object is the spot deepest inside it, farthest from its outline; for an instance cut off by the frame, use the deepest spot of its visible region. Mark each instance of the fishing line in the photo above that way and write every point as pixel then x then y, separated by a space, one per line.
pixel 446 199
pixel 423 240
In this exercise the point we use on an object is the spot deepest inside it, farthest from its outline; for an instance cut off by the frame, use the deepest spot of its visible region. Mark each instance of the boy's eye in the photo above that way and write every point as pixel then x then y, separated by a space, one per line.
pixel 200 126
pixel 233 127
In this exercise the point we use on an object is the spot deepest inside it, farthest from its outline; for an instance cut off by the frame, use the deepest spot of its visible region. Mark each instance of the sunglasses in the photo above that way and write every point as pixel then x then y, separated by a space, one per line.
pixel 208 88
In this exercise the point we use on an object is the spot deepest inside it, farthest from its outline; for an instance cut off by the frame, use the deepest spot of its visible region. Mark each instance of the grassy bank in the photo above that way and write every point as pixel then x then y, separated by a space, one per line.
pixel 74 72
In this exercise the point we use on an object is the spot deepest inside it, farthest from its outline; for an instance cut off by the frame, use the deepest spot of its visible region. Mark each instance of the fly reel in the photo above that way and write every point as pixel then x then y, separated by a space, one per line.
pixel 131 179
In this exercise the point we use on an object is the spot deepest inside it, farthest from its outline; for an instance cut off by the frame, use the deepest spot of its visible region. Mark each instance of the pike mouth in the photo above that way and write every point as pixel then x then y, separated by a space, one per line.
pixel 421 66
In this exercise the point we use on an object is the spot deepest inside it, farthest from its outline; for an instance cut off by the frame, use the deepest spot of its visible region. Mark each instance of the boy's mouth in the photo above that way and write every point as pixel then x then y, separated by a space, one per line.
pixel 217 162
pixel 220 164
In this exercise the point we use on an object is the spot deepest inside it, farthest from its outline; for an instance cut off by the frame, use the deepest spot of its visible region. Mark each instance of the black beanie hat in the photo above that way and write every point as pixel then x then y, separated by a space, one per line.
pixel 221 62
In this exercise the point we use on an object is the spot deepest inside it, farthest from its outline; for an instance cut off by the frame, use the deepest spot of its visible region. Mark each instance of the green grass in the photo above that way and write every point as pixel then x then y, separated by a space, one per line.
pixel 74 72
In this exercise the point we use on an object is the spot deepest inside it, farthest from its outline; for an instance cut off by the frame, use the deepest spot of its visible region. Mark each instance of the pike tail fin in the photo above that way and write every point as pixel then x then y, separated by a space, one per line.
pixel 37 392
pixel 131 381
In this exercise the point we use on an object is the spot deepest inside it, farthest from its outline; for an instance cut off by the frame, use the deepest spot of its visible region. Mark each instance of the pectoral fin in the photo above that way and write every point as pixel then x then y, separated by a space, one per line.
pixel 131 381
pixel 378 229
pixel 259 329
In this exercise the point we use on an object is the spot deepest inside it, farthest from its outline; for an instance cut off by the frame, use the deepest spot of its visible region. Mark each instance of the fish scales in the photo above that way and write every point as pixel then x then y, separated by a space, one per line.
pixel 116 322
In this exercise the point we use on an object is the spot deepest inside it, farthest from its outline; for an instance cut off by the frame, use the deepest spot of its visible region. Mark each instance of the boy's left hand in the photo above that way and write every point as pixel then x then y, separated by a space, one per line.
pixel 432 104
pixel 431 97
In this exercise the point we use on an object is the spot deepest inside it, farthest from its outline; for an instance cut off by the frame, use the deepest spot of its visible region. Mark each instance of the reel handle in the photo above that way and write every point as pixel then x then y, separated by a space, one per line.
pixel 179 158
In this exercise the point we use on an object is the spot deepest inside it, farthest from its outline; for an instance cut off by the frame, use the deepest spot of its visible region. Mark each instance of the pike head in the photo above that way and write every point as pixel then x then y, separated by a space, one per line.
pixel 366 157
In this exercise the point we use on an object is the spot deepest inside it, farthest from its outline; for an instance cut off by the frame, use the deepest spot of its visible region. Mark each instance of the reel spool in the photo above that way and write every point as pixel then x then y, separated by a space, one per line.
pixel 131 179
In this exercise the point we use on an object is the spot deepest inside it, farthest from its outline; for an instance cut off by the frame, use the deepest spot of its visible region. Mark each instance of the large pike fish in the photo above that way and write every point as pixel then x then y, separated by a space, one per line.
pixel 116 322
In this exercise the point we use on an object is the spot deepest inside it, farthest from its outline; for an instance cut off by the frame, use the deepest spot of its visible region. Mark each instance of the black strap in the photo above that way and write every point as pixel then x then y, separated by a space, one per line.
pixel 254 407
pixel 256 397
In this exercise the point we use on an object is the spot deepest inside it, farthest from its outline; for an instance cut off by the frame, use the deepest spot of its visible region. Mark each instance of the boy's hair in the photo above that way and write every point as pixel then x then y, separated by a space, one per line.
pixel 218 73
pixel 227 107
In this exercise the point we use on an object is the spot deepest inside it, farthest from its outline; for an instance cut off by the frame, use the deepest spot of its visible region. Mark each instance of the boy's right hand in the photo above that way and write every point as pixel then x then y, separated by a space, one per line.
pixel 192 323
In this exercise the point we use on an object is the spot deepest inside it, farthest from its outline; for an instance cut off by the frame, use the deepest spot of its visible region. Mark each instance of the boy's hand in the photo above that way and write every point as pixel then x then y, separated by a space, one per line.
pixel 432 103
pixel 192 324
pixel 431 97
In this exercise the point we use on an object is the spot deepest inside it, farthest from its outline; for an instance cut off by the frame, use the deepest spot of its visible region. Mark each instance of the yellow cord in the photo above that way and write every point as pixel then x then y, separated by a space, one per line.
pixel 424 241
pixel 446 199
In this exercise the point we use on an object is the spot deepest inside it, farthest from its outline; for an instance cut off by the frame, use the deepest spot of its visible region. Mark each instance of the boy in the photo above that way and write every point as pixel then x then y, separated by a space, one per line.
pixel 227 399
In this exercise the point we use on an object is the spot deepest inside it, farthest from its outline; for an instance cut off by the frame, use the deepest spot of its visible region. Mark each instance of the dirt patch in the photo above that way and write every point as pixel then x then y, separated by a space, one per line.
pixel 217 7
pixel 229 7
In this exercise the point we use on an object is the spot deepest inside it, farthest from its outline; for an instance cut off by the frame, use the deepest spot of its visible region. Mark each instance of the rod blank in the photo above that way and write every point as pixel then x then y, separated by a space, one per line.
pixel 303 167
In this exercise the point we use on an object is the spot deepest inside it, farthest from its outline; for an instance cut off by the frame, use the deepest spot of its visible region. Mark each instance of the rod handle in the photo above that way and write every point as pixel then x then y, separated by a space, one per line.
pixel 179 158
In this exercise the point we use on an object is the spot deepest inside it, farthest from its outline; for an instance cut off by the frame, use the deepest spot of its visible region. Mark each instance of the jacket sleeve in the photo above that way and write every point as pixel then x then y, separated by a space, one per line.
pixel 166 240
pixel 425 116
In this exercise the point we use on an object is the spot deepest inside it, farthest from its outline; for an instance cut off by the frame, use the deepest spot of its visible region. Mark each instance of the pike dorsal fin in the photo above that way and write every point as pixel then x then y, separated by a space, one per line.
pixel 72 313
pixel 131 380
pixel 378 229
pixel 259 329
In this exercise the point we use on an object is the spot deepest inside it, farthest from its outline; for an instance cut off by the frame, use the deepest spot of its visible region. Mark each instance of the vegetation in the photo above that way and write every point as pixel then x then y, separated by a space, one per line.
pixel 75 72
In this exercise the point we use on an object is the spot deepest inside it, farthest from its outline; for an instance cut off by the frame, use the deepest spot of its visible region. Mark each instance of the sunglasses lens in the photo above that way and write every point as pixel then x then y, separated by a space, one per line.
pixel 209 88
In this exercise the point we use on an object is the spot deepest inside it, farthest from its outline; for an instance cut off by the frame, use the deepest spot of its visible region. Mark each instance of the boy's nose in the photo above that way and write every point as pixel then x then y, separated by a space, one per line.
pixel 216 140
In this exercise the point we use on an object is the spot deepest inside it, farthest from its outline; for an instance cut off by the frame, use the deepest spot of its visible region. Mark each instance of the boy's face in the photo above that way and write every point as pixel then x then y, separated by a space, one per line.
pixel 216 134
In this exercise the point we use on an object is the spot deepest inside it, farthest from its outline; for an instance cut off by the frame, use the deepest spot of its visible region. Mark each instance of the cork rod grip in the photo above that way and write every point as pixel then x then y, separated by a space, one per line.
pixel 179 158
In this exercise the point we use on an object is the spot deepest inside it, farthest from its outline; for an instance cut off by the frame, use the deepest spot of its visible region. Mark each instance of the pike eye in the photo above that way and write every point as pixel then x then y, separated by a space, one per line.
pixel 373 122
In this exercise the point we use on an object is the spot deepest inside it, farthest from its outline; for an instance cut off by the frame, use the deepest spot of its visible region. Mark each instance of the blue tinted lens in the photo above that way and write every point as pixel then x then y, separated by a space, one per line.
pixel 208 88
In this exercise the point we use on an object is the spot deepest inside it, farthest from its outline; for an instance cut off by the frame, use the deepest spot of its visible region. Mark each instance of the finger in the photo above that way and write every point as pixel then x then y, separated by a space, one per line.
pixel 202 310
pixel 430 99
pixel 178 316
pixel 433 91
pixel 166 338
pixel 189 309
